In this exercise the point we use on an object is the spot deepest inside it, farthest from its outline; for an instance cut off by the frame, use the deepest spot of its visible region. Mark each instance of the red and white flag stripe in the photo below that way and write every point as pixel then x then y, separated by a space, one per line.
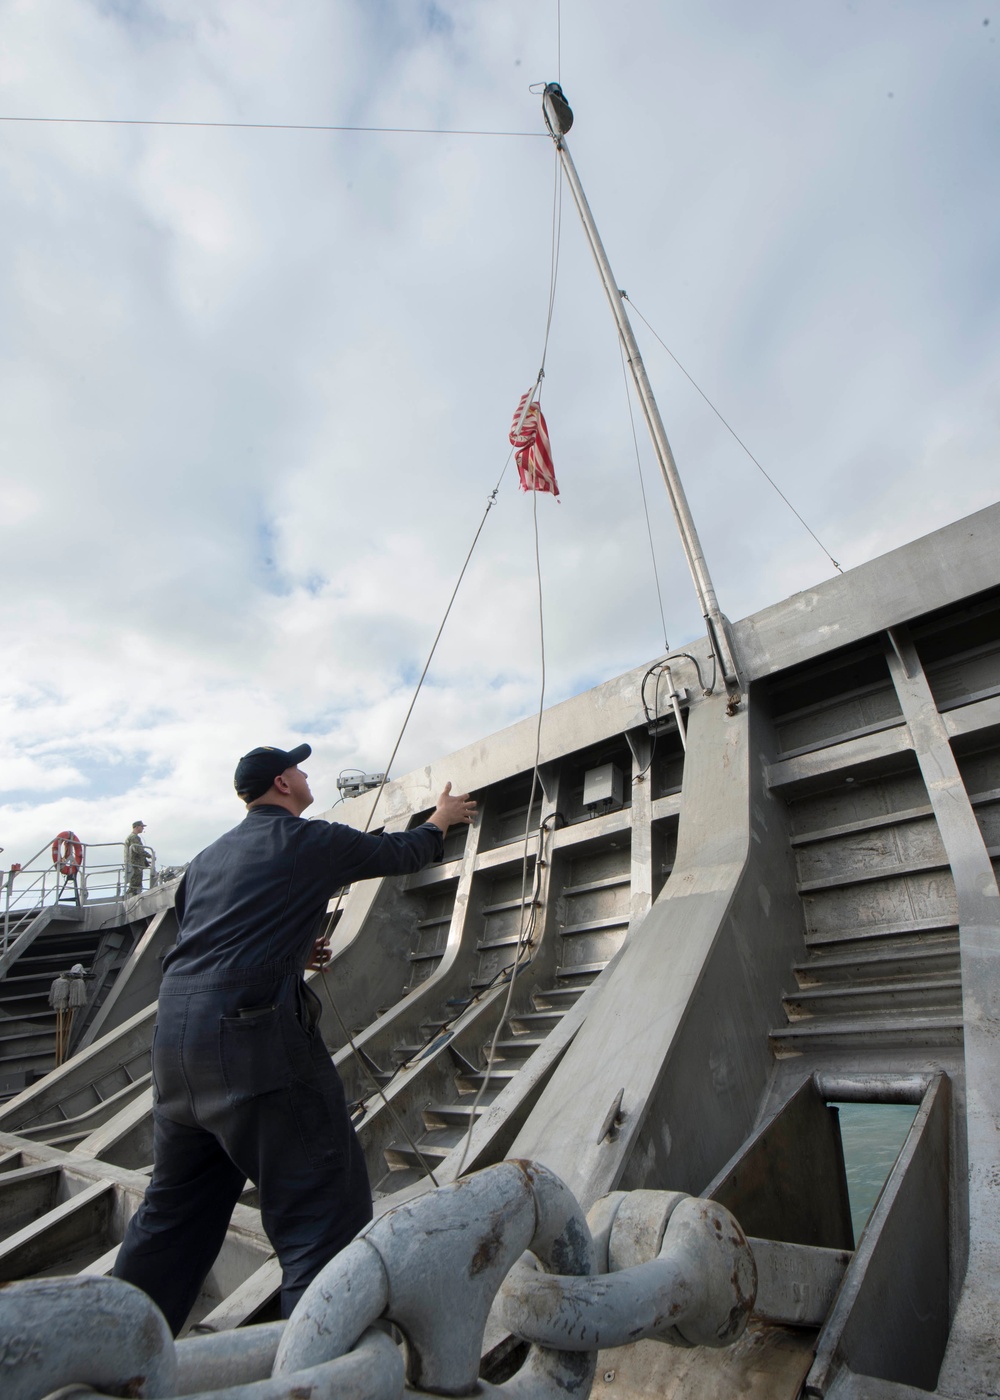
pixel 534 457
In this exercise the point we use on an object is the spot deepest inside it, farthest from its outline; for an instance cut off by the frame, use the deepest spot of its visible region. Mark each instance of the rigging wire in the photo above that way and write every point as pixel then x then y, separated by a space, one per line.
pixel 267 126
pixel 642 488
pixel 527 919
pixel 332 916
pixel 733 432
pixel 526 925
pixel 559 41
pixel 553 258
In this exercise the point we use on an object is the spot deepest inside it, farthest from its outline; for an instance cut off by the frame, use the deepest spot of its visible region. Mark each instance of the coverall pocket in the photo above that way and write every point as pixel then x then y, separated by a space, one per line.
pixel 253 1054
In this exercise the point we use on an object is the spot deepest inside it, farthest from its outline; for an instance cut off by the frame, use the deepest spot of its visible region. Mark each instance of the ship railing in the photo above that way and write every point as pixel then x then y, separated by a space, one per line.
pixel 41 882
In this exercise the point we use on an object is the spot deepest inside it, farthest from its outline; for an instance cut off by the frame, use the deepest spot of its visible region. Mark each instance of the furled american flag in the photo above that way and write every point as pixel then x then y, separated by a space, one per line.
pixel 531 438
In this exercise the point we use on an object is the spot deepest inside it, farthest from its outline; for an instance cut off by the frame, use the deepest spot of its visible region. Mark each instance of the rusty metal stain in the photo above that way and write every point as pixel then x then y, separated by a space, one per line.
pixel 488 1250
pixel 570 1247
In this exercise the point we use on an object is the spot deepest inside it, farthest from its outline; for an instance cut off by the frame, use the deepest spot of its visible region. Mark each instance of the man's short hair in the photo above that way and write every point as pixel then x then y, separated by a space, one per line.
pixel 257 770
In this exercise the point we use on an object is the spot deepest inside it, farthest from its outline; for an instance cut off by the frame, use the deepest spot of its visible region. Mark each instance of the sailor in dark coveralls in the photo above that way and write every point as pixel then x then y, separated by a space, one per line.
pixel 244 1086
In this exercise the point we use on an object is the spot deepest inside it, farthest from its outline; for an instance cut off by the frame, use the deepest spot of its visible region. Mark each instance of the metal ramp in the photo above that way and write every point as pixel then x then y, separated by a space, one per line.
pixel 430 1053
pixel 593 905
pixel 881 983
pixel 883 967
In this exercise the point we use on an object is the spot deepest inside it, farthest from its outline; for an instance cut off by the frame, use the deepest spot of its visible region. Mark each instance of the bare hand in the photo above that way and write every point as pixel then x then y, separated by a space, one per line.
pixel 452 811
pixel 320 956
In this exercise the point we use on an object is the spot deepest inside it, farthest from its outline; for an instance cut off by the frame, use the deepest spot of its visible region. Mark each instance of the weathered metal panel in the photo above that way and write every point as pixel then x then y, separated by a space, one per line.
pixel 622 1045
pixel 789 1182
pixel 836 719
pixel 138 983
pixel 796 1284
pixel 710 1087
pixel 933 572
pixel 972 1365
pixel 893 899
pixel 891 1316
pixel 68 1090
pixel 844 803
pixel 842 857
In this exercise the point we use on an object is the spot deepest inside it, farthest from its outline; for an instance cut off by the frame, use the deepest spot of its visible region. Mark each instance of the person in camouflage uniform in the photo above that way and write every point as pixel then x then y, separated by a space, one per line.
pixel 136 859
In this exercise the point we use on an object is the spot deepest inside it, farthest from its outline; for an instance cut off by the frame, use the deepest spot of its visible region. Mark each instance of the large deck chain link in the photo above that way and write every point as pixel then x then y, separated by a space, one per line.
pixel 643 1264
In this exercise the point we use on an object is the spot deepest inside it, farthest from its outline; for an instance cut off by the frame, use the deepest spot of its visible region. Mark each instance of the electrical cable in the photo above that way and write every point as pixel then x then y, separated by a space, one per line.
pixel 642 488
pixel 656 710
pixel 266 126
pixel 733 432
pixel 706 689
pixel 657 670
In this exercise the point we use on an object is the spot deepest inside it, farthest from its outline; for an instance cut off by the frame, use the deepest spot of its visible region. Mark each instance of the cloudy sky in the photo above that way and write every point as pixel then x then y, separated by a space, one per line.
pixel 256 384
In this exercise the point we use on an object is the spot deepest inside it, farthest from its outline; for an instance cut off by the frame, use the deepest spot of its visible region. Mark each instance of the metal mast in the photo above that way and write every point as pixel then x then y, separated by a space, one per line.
pixel 559 119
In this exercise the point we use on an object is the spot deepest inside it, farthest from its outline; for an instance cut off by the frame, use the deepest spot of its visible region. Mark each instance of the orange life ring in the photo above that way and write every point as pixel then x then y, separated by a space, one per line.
pixel 67 853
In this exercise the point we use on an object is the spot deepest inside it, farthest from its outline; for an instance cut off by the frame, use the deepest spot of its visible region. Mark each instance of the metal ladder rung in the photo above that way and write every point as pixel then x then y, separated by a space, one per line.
pixel 609 883
pixel 595 926
pixel 505 905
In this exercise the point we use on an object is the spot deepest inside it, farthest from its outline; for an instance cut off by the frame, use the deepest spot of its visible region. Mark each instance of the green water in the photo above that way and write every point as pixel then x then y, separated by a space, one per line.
pixel 872 1134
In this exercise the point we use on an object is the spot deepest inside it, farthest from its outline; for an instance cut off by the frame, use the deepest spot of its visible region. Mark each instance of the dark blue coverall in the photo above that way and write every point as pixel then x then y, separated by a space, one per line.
pixel 243 1085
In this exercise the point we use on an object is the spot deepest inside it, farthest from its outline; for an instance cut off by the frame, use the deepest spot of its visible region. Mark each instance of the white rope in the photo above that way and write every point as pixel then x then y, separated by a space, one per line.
pixel 526 920
pixel 386 768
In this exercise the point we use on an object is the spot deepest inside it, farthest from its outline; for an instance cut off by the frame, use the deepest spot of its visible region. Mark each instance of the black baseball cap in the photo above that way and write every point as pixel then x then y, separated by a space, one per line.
pixel 257 770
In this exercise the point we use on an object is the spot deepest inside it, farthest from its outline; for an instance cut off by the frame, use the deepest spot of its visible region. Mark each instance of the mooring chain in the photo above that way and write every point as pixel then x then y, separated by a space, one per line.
pixel 654 1264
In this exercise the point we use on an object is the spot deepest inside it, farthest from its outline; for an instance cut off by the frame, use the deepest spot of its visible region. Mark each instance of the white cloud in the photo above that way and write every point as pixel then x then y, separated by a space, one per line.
pixel 256 385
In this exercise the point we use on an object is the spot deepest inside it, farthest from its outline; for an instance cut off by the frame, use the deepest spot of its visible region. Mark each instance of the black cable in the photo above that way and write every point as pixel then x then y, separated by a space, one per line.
pixel 706 690
pixel 650 721
pixel 268 126
pixel 733 432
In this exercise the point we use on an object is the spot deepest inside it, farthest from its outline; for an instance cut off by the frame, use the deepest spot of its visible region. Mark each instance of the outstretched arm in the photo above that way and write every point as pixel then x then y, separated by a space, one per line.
pixel 452 811
pixel 357 855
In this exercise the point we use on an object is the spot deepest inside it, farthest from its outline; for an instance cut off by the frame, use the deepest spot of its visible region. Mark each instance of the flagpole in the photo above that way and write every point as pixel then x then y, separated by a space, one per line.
pixel 559 119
